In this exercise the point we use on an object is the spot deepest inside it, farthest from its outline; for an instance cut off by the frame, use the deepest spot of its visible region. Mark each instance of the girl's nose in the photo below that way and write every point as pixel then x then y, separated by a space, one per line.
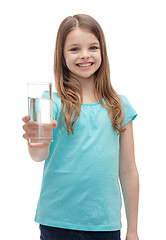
pixel 85 54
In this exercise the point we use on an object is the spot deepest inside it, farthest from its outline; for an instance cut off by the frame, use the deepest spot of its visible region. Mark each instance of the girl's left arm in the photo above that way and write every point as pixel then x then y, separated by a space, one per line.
pixel 129 180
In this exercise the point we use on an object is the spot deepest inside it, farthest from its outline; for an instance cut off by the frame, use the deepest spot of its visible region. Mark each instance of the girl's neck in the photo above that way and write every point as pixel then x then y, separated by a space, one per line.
pixel 88 89
pixel 87 84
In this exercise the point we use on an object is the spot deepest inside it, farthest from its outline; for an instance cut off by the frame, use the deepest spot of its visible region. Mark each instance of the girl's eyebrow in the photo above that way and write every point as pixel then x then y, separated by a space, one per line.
pixel 76 44
pixel 73 45
pixel 95 43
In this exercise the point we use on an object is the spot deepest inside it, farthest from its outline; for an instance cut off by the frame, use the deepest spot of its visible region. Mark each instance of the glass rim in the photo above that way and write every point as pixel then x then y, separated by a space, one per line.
pixel 39 83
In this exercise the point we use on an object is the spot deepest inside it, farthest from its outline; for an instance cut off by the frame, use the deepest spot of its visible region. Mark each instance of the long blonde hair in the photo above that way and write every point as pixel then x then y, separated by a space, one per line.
pixel 71 93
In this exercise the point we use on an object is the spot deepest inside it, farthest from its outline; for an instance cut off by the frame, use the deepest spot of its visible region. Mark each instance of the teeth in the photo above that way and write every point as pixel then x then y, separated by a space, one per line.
pixel 85 65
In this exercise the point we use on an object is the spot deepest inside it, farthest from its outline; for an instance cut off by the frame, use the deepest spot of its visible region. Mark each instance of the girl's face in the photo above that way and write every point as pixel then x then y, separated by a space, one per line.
pixel 82 53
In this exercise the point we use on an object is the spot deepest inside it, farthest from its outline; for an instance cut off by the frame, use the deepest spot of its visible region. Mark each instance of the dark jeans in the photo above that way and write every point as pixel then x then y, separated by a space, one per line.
pixel 54 233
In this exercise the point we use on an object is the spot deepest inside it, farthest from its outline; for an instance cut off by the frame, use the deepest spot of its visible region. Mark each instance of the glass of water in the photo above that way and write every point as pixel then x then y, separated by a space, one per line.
pixel 40 111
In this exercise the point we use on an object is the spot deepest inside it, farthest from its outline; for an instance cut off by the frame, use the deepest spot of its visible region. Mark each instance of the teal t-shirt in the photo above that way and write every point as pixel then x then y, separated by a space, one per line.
pixel 80 187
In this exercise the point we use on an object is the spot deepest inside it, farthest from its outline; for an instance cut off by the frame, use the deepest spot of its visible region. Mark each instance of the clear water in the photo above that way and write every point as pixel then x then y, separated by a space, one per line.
pixel 40 110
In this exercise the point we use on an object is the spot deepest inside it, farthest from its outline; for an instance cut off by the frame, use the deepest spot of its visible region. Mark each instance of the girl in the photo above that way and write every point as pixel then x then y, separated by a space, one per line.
pixel 91 150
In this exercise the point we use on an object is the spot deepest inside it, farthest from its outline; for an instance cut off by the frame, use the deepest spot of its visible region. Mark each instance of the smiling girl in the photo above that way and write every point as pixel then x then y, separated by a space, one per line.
pixel 93 146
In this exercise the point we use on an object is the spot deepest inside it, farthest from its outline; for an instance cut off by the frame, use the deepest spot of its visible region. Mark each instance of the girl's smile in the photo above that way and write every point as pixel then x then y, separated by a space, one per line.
pixel 85 65
pixel 82 53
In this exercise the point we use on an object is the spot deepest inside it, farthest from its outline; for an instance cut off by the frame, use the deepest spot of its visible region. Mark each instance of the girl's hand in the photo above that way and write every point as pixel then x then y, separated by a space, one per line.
pixel 132 236
pixel 30 129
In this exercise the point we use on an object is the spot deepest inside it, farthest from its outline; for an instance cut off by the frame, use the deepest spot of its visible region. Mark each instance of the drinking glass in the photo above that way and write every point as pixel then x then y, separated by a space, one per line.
pixel 40 111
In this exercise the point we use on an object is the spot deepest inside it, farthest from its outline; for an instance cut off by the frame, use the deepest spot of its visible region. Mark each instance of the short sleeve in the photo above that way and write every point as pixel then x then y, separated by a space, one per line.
pixel 129 111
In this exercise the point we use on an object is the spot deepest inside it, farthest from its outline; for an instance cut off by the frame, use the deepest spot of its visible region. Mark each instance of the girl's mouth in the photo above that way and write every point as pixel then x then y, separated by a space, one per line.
pixel 84 65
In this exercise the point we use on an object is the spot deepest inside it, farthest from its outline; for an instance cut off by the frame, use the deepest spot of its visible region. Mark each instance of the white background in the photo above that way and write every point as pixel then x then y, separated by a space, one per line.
pixel 136 43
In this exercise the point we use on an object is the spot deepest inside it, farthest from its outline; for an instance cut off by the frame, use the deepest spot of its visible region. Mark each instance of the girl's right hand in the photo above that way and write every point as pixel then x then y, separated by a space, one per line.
pixel 30 127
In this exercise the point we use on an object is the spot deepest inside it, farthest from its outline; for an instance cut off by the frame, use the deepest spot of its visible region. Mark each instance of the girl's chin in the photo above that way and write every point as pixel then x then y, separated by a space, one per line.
pixel 82 76
pixel 79 75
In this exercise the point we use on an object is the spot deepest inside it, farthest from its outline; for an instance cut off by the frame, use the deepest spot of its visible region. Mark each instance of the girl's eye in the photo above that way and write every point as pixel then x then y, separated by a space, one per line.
pixel 93 48
pixel 74 49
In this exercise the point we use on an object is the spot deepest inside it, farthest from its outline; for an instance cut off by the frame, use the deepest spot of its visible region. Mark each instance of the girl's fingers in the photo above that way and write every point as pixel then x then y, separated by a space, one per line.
pixel 32 129
pixel 34 125
pixel 25 136
pixel 26 119
pixel 29 134
pixel 35 145
pixel 29 125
